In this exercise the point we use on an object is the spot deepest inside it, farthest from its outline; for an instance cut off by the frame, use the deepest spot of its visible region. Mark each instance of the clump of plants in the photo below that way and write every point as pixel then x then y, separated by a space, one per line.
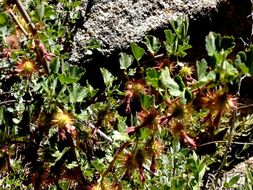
pixel 146 128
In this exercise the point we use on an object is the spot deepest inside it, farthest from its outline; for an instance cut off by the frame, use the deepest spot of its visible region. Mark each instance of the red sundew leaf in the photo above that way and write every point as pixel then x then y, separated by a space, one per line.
pixel 206 118
pixel 216 120
pixel 130 130
pixel 45 54
pixel 128 102
pixel 127 175
pixel 189 140
pixel 142 176
pixel 153 165
pixel 62 134
pixel 71 130
pixel 7 53
pixel 163 120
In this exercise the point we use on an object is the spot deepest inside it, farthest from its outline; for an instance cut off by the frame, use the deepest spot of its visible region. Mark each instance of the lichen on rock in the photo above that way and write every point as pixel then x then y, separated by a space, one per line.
pixel 117 23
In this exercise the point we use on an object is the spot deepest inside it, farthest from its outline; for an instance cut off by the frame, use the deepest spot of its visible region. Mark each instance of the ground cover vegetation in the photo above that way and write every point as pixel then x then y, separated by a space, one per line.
pixel 148 127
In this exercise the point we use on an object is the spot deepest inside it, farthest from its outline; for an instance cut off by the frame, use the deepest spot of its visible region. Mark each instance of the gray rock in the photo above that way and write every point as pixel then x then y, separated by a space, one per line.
pixel 116 23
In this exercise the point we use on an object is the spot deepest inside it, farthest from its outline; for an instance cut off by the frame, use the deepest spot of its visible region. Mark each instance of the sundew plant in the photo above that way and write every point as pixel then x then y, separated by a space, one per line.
pixel 144 129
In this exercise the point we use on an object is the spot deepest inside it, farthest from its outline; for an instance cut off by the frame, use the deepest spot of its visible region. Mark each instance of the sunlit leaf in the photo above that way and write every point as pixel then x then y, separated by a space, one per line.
pixel 171 42
pixel 120 136
pixel 153 44
pixel 146 101
pixel 58 155
pixel 152 77
pixel 125 60
pixel 77 93
pixel 215 43
pixel 138 52
pixel 40 10
pixel 201 69
pixel 3 19
pixel 70 74
pixel 168 82
pixel 121 123
pixel 72 165
pixel 107 76
pixel 2 115
pixel 55 65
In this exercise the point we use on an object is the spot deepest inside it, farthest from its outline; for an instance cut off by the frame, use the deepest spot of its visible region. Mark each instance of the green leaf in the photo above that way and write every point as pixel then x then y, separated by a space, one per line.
pixel 168 82
pixel 66 80
pixel 201 69
pixel 210 44
pixel 146 101
pixel 171 42
pixel 91 91
pixel 180 26
pixel 49 12
pixel 178 79
pixel 40 10
pixel 55 65
pixel 177 183
pixel 72 165
pixel 144 133
pixel 240 62
pixel 93 44
pixel 125 60
pixel 215 44
pixel 152 77
pixel 170 36
pixel 187 95
pixel 49 85
pixel 98 164
pixel 2 114
pixel 246 58
pixel 131 72
pixel 121 123
pixel 3 19
pixel 3 32
pixel 58 155
pixel 44 12
pixel 107 76
pixel 153 44
pixel 120 136
pixel 77 93
pixel 137 51
pixel 227 43
pixel 70 74
pixel 233 181
pixel 182 48
pixel 211 76
pixel 228 72
pixel 177 41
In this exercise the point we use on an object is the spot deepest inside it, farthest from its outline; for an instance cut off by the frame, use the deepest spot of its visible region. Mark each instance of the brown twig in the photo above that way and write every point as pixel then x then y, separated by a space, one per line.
pixel 25 16
pixel 251 15
pixel 115 158
pixel 101 133
pixel 43 56
pixel 13 101
pixel 235 142
pixel 227 147
pixel 17 22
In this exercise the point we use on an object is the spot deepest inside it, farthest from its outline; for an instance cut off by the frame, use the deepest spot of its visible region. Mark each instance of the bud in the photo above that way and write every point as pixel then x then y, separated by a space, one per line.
pixel 61 119
pixel 186 71
pixel 64 122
